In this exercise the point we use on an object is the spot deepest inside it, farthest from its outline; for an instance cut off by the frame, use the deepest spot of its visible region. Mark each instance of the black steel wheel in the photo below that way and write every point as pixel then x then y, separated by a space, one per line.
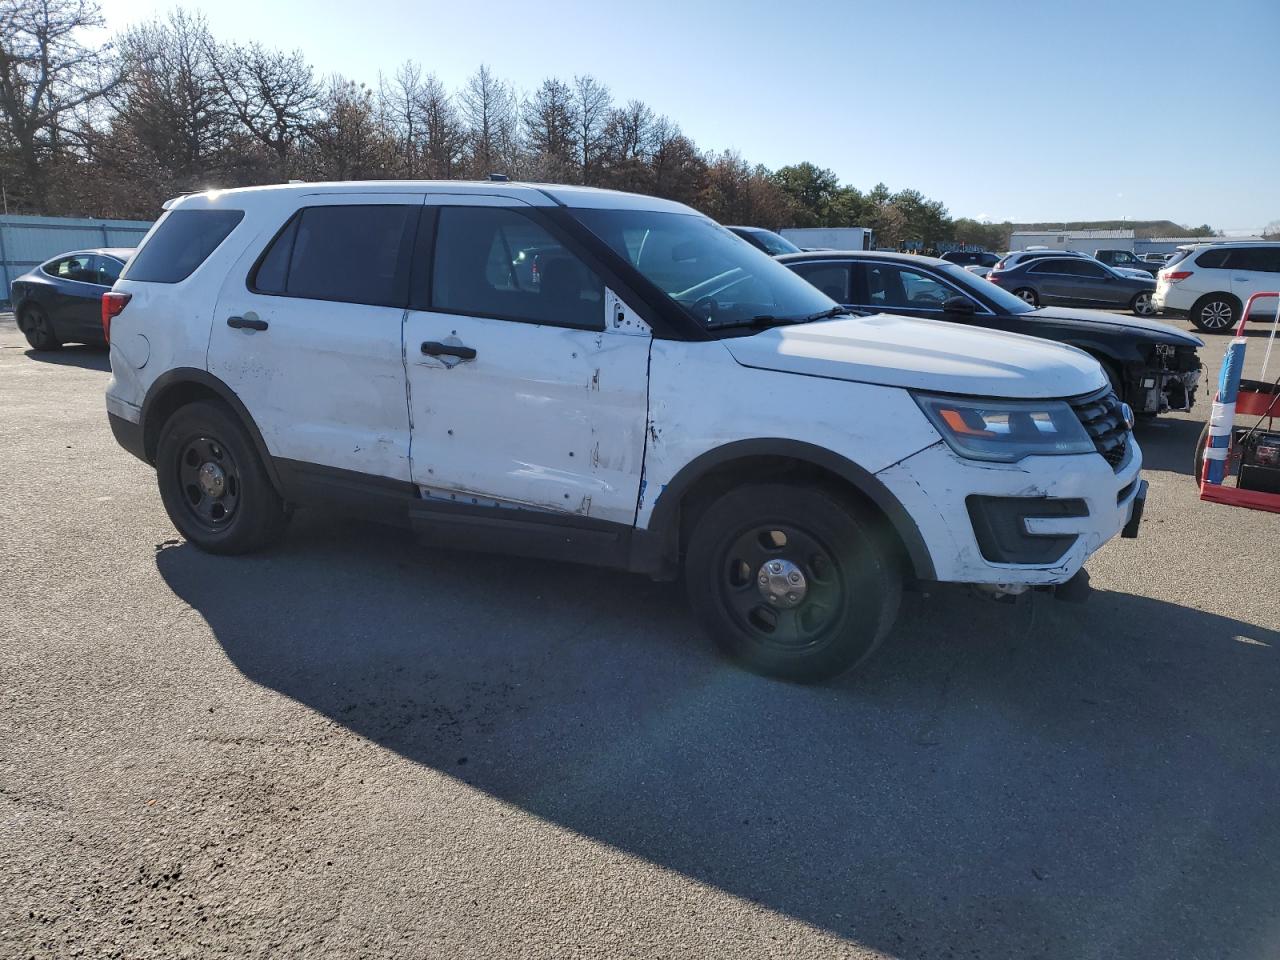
pixel 213 483
pixel 791 580
pixel 36 326
pixel 210 482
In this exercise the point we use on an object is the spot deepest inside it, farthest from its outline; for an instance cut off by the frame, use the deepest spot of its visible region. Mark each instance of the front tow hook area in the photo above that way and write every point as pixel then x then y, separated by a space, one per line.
pixel 1075 590
pixel 1130 531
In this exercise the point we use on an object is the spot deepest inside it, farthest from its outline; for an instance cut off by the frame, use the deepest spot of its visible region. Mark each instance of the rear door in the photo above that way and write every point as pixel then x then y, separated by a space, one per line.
pixel 832 277
pixel 528 377
pixel 76 298
pixel 1253 270
pixel 307 332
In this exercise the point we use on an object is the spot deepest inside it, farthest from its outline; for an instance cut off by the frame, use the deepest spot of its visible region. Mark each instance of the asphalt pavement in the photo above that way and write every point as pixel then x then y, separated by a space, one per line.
pixel 356 746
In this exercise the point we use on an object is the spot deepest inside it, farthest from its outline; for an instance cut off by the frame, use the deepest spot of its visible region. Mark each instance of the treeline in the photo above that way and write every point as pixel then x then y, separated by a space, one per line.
pixel 113 131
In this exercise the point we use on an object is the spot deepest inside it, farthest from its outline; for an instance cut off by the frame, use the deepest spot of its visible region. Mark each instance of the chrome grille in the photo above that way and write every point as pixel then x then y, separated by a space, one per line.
pixel 1102 417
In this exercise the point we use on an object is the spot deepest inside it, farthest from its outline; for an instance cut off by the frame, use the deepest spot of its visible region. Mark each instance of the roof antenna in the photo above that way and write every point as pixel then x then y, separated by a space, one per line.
pixel 498 178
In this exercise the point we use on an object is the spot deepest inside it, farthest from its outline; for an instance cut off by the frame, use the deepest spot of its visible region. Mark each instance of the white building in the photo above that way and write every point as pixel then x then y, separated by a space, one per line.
pixel 1086 241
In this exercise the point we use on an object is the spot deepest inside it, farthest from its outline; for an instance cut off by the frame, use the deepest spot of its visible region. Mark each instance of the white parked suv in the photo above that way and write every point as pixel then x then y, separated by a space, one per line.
pixel 1210 283
pixel 610 379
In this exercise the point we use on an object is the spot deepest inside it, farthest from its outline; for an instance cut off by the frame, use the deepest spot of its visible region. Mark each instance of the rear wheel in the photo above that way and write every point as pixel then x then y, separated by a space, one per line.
pixel 1027 294
pixel 213 483
pixel 791 581
pixel 1215 313
pixel 1142 304
pixel 1201 444
pixel 36 327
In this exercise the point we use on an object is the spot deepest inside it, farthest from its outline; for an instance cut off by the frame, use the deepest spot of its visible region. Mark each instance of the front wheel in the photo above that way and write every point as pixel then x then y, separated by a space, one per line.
pixel 37 328
pixel 213 483
pixel 791 581
pixel 1029 295
pixel 1142 305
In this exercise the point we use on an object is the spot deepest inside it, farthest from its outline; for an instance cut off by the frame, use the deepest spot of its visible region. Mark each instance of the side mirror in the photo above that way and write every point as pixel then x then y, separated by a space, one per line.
pixel 959 307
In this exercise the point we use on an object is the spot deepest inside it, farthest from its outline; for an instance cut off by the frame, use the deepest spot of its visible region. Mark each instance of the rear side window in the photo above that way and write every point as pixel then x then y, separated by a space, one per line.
pixel 1261 259
pixel 1212 259
pixel 350 253
pixel 831 278
pixel 181 243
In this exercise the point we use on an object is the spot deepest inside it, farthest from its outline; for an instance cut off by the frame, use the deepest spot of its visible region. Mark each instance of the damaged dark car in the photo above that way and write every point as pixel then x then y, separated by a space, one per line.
pixel 1152 366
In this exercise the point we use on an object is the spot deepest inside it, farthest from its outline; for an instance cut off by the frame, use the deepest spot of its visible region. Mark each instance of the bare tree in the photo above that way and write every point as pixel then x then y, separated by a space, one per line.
pixel 346 141
pixel 402 109
pixel 46 74
pixel 550 130
pixel 273 95
pixel 446 138
pixel 171 98
pixel 488 107
pixel 628 143
pixel 676 167
pixel 591 106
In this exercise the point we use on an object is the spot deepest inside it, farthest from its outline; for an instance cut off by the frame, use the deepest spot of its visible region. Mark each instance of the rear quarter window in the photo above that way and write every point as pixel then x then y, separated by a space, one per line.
pixel 1212 259
pixel 181 243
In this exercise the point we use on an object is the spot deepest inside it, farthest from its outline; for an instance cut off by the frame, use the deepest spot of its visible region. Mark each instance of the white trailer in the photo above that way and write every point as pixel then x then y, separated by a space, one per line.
pixel 829 238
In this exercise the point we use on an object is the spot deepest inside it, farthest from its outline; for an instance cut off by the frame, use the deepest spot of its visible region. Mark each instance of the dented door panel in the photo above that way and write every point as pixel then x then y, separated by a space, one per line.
pixel 544 417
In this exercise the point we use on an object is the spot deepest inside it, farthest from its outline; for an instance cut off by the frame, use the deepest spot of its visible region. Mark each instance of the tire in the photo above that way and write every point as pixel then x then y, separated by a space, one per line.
pixel 1029 295
pixel 1215 313
pixel 213 483
pixel 848 584
pixel 35 325
pixel 1141 304
pixel 1198 464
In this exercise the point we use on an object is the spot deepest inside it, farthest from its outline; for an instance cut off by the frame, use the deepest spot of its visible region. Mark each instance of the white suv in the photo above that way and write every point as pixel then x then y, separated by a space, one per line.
pixel 611 379
pixel 1210 283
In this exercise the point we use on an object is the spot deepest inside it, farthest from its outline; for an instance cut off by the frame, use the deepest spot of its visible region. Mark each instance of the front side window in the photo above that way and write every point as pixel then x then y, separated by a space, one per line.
pixel 346 253
pixel 181 242
pixel 78 268
pixel 890 286
pixel 831 278
pixel 705 269
pixel 496 262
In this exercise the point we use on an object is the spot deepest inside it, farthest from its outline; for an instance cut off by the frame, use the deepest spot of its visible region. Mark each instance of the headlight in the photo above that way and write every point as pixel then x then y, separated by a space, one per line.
pixel 1006 430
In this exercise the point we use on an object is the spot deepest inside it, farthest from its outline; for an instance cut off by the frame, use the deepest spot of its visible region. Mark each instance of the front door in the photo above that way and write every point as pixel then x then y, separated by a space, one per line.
pixel 308 334
pixel 528 377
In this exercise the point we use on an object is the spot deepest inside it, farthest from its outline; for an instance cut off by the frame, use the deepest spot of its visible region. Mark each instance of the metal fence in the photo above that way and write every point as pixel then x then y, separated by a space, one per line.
pixel 26 242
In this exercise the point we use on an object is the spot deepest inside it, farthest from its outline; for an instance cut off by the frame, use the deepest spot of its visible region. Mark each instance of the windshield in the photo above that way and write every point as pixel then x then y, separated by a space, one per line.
pixel 776 244
pixel 1005 302
pixel 714 276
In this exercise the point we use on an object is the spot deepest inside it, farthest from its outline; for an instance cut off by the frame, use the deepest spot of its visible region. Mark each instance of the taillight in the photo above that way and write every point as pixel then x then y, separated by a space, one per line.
pixel 112 304
pixel 1176 275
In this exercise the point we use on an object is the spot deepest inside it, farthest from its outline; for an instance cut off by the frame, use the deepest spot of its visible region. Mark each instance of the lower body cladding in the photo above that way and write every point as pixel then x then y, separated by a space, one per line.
pixel 1013 526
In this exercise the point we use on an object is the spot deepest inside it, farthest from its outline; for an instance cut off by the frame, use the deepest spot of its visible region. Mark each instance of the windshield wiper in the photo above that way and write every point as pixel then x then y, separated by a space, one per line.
pixel 828 314
pixel 760 322
pixel 769 320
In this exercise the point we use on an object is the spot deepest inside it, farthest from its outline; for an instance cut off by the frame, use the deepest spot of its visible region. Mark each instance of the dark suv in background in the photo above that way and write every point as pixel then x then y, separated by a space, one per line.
pixel 971 258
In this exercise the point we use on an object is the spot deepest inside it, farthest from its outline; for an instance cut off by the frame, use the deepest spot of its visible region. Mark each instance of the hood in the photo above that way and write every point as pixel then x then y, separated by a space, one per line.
pixel 1154 328
pixel 923 355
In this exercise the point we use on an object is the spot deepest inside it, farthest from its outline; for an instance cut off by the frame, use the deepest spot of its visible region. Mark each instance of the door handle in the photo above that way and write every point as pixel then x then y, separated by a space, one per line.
pixel 246 323
pixel 433 348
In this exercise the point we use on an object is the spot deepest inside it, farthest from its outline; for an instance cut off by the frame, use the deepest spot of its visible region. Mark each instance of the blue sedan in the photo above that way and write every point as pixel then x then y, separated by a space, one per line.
pixel 60 301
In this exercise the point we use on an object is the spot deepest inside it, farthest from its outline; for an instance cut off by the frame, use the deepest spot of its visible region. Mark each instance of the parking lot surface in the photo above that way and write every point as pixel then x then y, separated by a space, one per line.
pixel 354 746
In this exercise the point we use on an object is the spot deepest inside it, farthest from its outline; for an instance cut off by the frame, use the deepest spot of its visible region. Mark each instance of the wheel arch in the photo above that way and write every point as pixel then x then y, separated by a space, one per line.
pixel 700 481
pixel 183 385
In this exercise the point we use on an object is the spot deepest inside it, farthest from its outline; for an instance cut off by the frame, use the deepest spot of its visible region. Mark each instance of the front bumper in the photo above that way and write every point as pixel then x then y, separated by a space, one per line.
pixel 935 485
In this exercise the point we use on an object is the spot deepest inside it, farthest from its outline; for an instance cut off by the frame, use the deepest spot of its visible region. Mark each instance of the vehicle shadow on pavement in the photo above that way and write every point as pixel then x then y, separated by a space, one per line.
pixel 1003 780
pixel 90 358
pixel 1169 444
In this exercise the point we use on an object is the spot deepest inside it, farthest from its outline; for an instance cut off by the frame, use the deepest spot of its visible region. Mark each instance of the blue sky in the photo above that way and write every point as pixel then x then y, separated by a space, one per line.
pixel 1020 110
